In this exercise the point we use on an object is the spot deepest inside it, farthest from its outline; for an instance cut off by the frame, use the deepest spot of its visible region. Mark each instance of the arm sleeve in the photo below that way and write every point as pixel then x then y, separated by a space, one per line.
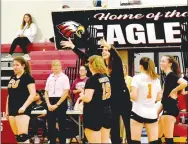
pixel 29 80
pixel 117 65
pixel 73 86
pixel 47 83
pixel 115 54
pixel 33 30
pixel 18 33
pixel 175 77
pixel 90 84
pixel 160 88
pixel 83 56
pixel 134 82
pixel 66 83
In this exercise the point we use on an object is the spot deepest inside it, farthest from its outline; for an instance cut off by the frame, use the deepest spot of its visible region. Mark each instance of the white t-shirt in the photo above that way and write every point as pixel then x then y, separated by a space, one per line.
pixel 56 85
pixel 147 94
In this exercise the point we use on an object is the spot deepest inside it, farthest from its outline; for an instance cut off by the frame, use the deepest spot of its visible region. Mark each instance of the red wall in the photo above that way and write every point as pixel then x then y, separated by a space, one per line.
pixel 7 136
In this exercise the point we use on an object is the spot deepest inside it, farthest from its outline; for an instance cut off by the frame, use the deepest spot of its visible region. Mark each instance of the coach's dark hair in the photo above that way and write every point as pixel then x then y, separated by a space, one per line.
pixel 149 67
pixel 24 63
pixel 175 66
pixel 41 94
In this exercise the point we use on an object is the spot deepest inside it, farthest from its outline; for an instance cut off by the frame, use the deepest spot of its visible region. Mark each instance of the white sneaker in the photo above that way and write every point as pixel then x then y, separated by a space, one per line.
pixel 36 140
pixel 25 142
pixel 9 57
pixel 26 57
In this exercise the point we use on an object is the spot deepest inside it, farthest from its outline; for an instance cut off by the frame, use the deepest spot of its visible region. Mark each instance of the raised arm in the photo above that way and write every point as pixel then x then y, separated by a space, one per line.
pixel 69 44
pixel 113 53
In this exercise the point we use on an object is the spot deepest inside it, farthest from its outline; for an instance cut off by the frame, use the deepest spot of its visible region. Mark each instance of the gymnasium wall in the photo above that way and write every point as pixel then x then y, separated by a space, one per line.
pixel 12 12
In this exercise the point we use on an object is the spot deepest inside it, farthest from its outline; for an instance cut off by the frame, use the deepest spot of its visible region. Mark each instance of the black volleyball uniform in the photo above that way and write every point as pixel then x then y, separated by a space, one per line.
pixel 170 105
pixel 121 104
pixel 19 93
pixel 97 113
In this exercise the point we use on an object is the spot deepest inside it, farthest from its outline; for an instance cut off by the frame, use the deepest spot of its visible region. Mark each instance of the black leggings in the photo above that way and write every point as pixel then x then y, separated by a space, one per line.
pixel 23 42
pixel 115 131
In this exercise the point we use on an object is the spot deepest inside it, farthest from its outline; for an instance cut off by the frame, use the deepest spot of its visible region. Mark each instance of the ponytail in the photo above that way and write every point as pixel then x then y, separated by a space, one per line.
pixel 27 67
pixel 149 67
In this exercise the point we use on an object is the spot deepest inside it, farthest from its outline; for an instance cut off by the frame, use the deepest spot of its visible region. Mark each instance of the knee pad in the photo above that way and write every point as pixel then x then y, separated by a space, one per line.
pixel 16 137
pixel 159 141
pixel 169 140
pixel 23 137
pixel 154 142
pixel 135 142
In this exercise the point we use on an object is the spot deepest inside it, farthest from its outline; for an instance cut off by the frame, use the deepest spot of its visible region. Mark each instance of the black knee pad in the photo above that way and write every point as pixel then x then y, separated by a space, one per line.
pixel 16 137
pixel 169 140
pixel 154 142
pixel 135 142
pixel 23 137
pixel 159 140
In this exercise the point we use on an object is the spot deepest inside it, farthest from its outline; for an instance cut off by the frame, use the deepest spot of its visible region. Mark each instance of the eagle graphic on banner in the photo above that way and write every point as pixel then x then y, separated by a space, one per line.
pixel 69 29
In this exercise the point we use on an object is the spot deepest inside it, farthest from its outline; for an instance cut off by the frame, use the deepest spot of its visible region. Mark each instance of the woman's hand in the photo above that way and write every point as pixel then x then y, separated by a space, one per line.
pixel 81 95
pixel 81 90
pixel 104 43
pixel 173 94
pixel 50 108
pixel 22 110
pixel 184 92
pixel 67 44
pixel 54 107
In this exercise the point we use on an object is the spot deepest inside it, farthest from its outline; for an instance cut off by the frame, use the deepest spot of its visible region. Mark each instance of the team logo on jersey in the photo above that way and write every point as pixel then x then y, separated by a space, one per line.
pixel 69 29
pixel 13 83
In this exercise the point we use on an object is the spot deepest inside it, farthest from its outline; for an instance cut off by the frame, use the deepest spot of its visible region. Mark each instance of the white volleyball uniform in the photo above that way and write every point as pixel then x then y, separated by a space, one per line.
pixel 148 89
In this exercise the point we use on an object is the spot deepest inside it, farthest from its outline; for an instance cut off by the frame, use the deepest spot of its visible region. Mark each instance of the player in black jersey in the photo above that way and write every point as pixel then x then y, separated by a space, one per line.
pixel 97 112
pixel 120 101
pixel 172 86
pixel 21 90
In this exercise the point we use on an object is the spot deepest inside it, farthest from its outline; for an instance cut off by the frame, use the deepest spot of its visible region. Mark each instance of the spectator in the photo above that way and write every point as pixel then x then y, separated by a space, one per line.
pixel 79 83
pixel 56 92
pixel 24 37
pixel 38 121
pixel 21 90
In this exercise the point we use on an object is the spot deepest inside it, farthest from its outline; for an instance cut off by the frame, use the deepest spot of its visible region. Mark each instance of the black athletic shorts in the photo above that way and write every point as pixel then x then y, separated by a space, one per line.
pixel 170 107
pixel 13 111
pixel 140 119
pixel 96 122
pixel 107 117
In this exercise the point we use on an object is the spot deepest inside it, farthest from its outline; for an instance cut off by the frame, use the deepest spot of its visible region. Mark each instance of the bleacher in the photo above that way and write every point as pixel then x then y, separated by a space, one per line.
pixel 41 55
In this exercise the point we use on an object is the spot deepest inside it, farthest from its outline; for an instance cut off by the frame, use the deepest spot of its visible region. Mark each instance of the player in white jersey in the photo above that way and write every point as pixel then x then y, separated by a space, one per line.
pixel 145 91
